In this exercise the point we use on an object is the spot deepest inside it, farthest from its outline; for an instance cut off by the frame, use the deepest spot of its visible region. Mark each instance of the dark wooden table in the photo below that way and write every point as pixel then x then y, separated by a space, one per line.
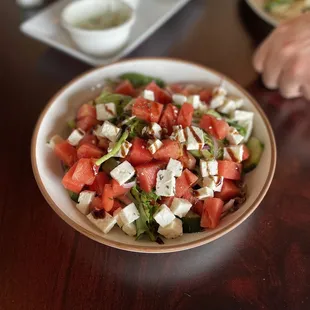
pixel 45 264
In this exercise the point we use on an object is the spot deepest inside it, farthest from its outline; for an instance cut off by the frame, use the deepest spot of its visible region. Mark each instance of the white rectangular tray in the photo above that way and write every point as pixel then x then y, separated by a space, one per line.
pixel 151 14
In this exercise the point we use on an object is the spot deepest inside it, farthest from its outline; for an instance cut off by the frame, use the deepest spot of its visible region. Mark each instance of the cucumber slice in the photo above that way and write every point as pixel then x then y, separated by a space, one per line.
pixel 202 154
pixel 256 149
pixel 214 113
pixel 109 165
pixel 196 153
pixel 191 223
pixel 207 155
pixel 74 196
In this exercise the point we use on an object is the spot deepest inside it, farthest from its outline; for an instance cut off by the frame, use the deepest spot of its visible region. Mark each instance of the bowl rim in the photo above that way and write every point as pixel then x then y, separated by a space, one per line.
pixel 128 23
pixel 141 248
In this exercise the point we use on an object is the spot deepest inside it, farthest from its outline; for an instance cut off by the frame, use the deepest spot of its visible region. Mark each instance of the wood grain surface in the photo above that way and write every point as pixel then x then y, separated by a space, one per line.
pixel 45 264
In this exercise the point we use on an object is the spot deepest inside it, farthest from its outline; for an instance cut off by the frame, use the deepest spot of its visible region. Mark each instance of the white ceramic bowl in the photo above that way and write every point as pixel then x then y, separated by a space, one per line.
pixel 133 3
pixel 63 106
pixel 97 42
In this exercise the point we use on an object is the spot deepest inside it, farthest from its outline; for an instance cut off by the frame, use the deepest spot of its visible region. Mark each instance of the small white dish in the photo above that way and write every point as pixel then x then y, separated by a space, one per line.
pixel 133 3
pixel 63 106
pixel 150 15
pixel 95 42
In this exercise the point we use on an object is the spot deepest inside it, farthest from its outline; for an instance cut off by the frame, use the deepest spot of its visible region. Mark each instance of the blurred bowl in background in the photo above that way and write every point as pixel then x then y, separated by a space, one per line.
pixel 78 18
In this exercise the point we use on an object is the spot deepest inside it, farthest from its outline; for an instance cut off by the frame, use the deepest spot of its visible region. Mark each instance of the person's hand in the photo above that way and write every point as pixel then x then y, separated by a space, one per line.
pixel 284 58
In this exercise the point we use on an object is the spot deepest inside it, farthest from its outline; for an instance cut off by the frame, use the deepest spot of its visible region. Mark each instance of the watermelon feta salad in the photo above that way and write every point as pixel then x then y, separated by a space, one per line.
pixel 158 160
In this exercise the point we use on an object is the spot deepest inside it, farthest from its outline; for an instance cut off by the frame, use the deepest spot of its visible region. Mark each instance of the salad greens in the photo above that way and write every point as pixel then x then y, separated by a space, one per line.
pixel 136 128
pixel 147 206
pixel 239 128
pixel 271 4
pixel 138 80
pixel 119 100
pixel 115 149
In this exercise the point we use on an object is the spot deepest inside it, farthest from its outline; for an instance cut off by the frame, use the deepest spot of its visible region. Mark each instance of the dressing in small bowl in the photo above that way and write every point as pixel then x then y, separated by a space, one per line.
pixel 97 27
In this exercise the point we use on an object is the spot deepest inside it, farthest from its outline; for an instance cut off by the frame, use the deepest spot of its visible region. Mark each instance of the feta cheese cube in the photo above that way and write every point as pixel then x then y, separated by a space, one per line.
pixel 244 119
pixel 177 127
pixel 248 125
pixel 108 130
pixel 195 101
pixel 178 134
pixel 129 214
pixel 240 115
pixel 204 192
pixel 173 230
pixel 54 141
pixel 234 136
pixel 153 130
pixel 219 184
pixel 195 138
pixel 179 99
pixel 76 136
pixel 123 172
pixel 238 101
pixel 104 224
pixel 212 167
pixel 164 216
pixel 203 108
pixel 234 153
pixel 124 150
pixel 208 168
pixel 216 102
pixel 203 168
pixel 105 111
pixel 85 199
pixel 175 167
pixel 230 104
pixel 219 91
pixel 154 146
pixel 130 229
pixel 180 207
pixel 218 97
pixel 215 183
pixel 97 131
pixel 118 218
pixel 165 183
pixel 149 95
